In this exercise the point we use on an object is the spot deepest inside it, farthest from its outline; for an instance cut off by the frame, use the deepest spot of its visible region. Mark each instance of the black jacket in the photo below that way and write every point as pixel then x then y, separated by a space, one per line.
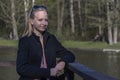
pixel 30 52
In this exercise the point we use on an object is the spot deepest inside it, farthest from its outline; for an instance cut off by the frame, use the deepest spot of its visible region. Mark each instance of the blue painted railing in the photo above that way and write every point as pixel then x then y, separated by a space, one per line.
pixel 87 73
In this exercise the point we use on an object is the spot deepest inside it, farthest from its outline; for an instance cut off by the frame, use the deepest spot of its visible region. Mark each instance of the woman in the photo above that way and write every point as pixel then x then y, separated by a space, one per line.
pixel 38 49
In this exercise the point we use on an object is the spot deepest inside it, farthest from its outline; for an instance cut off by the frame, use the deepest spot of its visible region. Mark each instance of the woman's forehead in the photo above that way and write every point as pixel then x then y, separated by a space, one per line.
pixel 41 14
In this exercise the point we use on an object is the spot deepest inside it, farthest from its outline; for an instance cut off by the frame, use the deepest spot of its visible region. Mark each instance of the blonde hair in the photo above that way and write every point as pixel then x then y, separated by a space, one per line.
pixel 28 29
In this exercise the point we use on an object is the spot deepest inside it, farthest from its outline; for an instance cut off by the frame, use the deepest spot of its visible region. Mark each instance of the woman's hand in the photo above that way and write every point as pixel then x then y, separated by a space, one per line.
pixel 53 72
pixel 60 66
pixel 58 70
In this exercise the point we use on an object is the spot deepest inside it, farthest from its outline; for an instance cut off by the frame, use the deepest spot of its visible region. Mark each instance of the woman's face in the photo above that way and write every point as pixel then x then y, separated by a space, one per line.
pixel 40 21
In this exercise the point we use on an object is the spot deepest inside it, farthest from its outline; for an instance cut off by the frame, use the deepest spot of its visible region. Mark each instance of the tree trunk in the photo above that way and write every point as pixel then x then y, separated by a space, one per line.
pixel 59 30
pixel 72 17
pixel 116 21
pixel 14 25
pixel 26 4
pixel 109 24
pixel 60 14
pixel 80 17
pixel 100 24
pixel 33 2
pixel 115 32
pixel 84 18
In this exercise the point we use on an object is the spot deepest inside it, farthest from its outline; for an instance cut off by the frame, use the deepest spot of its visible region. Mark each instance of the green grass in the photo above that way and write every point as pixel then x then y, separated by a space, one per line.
pixel 70 44
pixel 90 44
pixel 8 43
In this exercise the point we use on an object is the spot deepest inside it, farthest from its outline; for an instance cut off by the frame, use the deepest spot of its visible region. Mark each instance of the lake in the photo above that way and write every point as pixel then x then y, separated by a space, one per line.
pixel 104 62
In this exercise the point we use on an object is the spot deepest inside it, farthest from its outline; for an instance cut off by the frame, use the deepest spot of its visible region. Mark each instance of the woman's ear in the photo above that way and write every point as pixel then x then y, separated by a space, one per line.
pixel 31 21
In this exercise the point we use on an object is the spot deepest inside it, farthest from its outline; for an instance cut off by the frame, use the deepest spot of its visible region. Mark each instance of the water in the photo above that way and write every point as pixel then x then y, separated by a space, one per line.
pixel 104 62
pixel 7 64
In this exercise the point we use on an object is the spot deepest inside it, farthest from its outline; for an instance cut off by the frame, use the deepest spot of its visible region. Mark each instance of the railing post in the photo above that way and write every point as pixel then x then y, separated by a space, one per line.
pixel 69 74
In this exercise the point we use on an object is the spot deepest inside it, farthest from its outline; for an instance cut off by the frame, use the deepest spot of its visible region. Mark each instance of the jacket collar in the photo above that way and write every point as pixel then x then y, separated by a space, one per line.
pixel 45 37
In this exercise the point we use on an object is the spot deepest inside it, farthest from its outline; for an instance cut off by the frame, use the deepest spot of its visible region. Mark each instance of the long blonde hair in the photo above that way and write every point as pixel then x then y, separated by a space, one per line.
pixel 29 28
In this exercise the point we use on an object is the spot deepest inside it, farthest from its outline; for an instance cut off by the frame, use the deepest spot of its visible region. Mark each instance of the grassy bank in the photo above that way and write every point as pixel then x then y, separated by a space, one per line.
pixel 70 44
pixel 90 44
pixel 8 43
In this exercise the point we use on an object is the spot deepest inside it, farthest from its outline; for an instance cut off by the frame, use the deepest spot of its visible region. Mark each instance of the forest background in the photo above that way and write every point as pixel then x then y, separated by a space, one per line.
pixel 77 20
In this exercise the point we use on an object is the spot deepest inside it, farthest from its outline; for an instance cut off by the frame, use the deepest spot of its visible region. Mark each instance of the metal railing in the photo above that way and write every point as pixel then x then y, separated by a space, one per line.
pixel 87 73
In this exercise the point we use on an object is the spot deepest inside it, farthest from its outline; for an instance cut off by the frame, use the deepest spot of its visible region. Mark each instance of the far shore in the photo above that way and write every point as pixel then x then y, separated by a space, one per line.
pixel 81 45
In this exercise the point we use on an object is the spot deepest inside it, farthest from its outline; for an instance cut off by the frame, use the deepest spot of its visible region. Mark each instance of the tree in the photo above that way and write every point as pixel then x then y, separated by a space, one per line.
pixel 112 16
pixel 115 21
pixel 14 24
pixel 72 17
pixel 60 14
pixel 109 22
pixel 100 20
pixel 83 18
pixel 33 2
pixel 8 12
pixel 26 5
pixel 80 17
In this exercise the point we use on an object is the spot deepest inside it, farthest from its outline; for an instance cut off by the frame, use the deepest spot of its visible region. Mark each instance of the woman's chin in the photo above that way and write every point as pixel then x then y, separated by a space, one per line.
pixel 42 30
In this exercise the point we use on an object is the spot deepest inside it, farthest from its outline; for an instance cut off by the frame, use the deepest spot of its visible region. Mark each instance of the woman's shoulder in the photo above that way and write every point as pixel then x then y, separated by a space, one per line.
pixel 52 36
pixel 24 41
pixel 49 34
pixel 24 38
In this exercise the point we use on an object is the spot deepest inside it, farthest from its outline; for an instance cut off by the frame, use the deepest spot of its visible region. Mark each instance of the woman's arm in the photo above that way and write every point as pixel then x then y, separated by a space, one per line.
pixel 65 55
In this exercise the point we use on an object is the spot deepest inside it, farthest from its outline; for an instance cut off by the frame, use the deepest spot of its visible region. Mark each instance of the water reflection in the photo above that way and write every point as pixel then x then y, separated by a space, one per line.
pixel 113 66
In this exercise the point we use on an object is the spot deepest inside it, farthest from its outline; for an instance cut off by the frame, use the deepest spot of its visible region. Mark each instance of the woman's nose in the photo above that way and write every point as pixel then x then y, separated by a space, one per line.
pixel 44 22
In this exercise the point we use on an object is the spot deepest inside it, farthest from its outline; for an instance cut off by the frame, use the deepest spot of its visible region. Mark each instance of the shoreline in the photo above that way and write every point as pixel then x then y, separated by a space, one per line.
pixel 8 47
pixel 90 49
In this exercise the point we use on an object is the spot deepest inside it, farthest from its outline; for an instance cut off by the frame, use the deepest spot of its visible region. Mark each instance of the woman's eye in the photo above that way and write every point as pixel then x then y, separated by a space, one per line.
pixel 46 20
pixel 43 20
pixel 40 19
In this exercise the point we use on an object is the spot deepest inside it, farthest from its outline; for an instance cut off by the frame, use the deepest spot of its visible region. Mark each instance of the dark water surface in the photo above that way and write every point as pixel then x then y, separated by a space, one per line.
pixel 7 64
pixel 104 62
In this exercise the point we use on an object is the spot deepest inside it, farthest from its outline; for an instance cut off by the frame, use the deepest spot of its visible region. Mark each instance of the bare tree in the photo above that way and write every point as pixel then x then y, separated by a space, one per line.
pixel 112 16
pixel 60 14
pixel 26 4
pixel 80 16
pixel 14 24
pixel 72 17
pixel 85 17
pixel 5 11
pixel 115 21
pixel 100 19
pixel 8 12
pixel 33 2
pixel 109 22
